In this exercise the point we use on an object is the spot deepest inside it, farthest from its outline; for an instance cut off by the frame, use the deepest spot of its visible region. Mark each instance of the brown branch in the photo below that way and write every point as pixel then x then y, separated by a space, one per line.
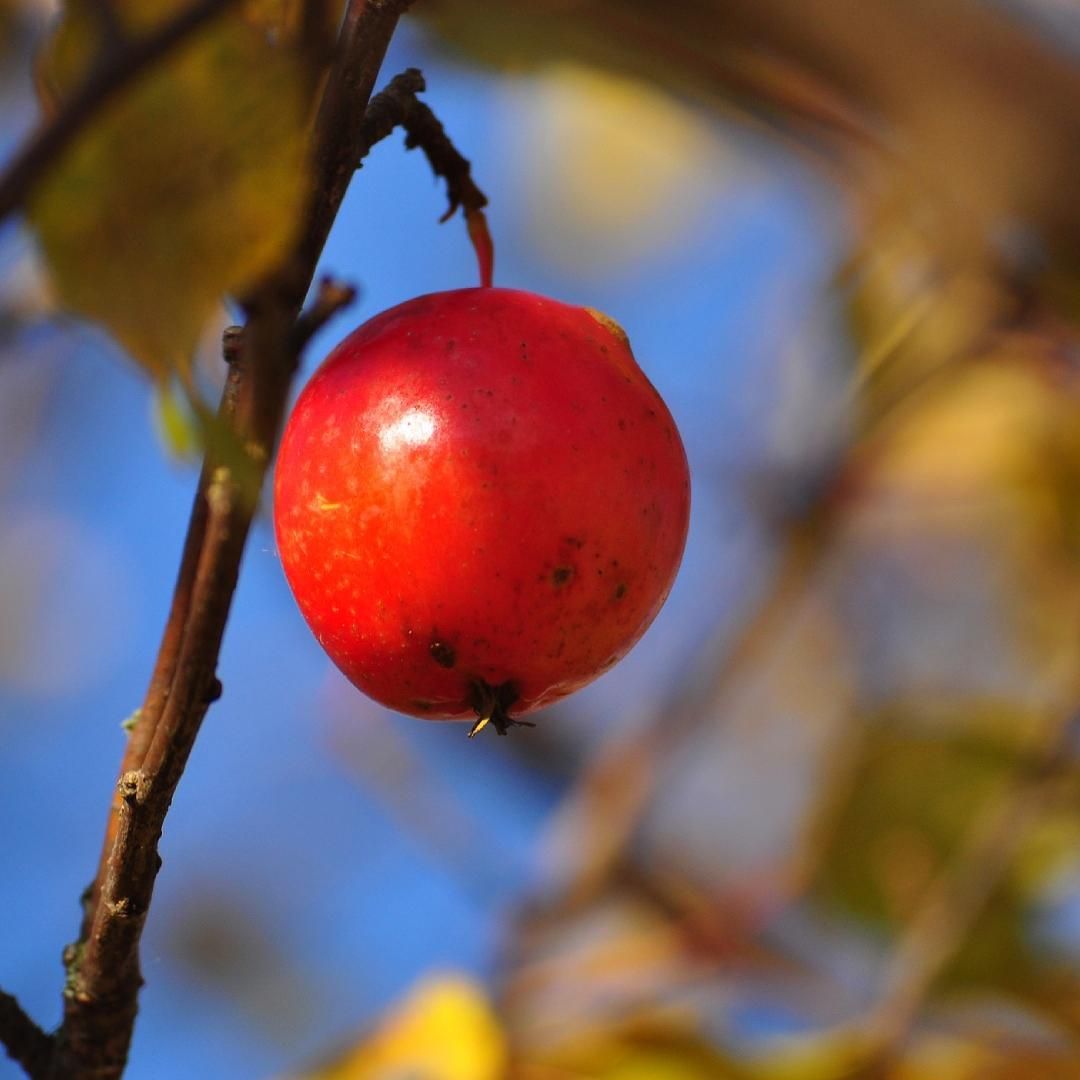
pixel 123 67
pixel 24 1041
pixel 398 106
pixel 104 975
pixel 157 692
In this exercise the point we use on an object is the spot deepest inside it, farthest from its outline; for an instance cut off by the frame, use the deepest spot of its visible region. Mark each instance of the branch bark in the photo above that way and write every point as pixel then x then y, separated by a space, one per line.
pixel 103 967
pixel 24 1041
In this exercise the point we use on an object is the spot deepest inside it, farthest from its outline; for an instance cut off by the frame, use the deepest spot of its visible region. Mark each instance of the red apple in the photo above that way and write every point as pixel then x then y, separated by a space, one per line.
pixel 480 503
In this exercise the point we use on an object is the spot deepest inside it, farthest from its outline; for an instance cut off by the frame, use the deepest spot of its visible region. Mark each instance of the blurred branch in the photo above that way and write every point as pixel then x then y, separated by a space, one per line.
pixel 958 896
pixel 423 807
pixel 123 66
pixel 24 1041
pixel 103 967
pixel 113 33
pixel 615 788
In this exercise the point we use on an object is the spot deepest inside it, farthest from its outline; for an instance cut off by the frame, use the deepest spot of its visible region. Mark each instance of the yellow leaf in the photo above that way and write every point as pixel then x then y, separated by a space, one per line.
pixel 185 188
pixel 444 1030
pixel 175 424
pixel 635 166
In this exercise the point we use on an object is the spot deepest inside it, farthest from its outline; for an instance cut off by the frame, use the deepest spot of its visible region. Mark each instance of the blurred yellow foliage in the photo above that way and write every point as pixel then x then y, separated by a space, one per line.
pixel 631 159
pixel 444 1030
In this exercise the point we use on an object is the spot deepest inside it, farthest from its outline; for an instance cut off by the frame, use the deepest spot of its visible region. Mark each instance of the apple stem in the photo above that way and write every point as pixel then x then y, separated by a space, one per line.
pixel 484 246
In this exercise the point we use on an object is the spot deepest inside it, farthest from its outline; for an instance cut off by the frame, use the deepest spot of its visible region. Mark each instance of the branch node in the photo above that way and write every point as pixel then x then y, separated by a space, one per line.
pixel 122 908
pixel 214 690
pixel 232 344
pixel 130 786
pixel 219 493
pixel 331 297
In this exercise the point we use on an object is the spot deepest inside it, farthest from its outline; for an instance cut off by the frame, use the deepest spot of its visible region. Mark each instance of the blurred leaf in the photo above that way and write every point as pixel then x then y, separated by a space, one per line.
pixel 829 1055
pixel 913 800
pixel 176 426
pixel 910 309
pixel 942 1056
pixel 444 1030
pixel 945 1056
pixel 636 166
pixel 187 186
pixel 587 969
pixel 958 555
pixel 632 1053
pixel 932 1055
pixel 975 100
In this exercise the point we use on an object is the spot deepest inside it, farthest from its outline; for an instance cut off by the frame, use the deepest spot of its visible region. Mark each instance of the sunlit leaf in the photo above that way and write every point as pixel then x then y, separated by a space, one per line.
pixel 444 1030
pixel 187 186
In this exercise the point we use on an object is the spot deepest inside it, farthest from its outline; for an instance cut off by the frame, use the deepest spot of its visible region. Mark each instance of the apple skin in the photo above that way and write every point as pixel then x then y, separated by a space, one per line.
pixel 480 489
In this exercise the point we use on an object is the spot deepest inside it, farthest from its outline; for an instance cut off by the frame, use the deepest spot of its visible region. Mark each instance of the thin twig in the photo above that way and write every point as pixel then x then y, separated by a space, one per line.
pixel 101 999
pixel 397 106
pixel 24 1041
pixel 388 107
pixel 330 298
pixel 49 142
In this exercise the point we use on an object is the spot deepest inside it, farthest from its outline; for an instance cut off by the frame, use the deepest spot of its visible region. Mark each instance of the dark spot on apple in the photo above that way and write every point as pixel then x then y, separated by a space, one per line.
pixel 620 590
pixel 442 654
pixel 561 575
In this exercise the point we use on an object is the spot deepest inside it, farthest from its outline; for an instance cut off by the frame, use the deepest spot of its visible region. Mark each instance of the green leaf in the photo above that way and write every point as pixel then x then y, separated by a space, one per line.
pixel 188 186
